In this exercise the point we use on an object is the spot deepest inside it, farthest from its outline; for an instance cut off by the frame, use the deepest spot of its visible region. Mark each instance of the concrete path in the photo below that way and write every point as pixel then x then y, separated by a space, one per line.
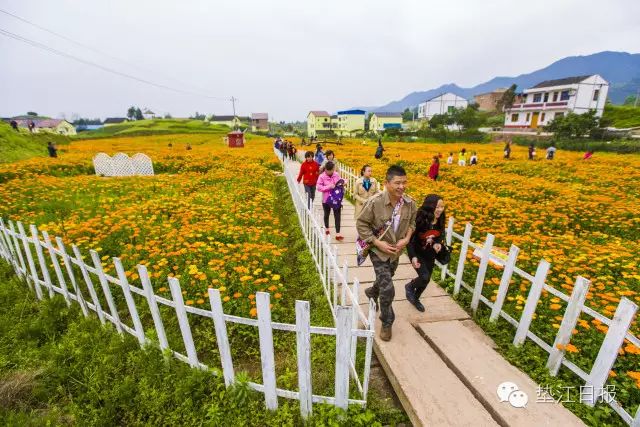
pixel 442 366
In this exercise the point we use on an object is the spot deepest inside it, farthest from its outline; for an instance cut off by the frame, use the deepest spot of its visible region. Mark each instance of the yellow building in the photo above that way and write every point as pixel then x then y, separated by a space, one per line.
pixel 383 121
pixel 350 122
pixel 318 122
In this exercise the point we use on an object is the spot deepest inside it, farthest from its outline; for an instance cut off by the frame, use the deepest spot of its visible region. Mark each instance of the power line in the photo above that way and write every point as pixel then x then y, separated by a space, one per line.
pixel 85 46
pixel 102 67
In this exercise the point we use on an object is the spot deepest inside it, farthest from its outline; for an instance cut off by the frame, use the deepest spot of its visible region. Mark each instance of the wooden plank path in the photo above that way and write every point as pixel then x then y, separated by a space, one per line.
pixel 442 366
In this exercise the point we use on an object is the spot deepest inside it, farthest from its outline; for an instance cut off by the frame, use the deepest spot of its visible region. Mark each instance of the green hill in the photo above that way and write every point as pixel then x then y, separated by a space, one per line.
pixel 622 116
pixel 22 144
pixel 155 127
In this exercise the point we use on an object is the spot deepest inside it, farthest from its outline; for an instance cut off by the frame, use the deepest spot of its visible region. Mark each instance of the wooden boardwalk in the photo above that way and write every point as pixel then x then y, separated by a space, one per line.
pixel 442 366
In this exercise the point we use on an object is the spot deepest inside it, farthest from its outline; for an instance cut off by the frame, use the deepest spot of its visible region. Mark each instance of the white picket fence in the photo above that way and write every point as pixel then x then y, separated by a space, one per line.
pixel 618 327
pixel 32 258
pixel 338 291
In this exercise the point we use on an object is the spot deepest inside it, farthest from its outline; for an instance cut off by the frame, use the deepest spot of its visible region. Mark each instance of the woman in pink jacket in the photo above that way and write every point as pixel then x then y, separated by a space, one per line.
pixel 326 182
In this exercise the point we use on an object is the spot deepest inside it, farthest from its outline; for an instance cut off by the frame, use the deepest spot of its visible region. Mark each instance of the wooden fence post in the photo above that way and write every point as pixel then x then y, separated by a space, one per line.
pixel 221 336
pixel 113 310
pixel 462 258
pixel 266 350
pixel 131 304
pixel 69 267
pixel 343 344
pixel 56 267
pixel 482 271
pixel 87 280
pixel 532 302
pixel 185 329
pixel 609 350
pixel 569 320
pixel 41 260
pixel 32 265
pixel 504 283
pixel 448 240
pixel 369 349
pixel 303 341
pixel 153 307
pixel 355 305
pixel 23 266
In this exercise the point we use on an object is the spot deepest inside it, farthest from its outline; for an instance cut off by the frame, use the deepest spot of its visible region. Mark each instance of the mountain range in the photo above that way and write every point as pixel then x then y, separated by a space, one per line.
pixel 620 69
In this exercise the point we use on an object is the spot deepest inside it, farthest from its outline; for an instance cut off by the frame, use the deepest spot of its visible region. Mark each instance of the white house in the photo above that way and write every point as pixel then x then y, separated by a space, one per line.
pixel 545 101
pixel 441 104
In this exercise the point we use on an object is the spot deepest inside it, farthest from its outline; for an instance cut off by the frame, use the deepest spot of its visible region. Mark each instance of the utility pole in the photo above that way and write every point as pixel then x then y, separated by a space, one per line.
pixel 233 102
pixel 635 103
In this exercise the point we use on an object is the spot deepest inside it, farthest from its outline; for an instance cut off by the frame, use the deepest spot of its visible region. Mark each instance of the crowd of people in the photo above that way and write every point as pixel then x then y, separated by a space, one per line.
pixel 387 220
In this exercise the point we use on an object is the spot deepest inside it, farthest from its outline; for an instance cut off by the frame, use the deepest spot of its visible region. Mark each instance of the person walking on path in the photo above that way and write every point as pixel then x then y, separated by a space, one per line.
pixel 425 245
pixel 329 157
pixel 53 150
pixel 462 157
pixel 532 151
pixel 366 187
pixel 309 172
pixel 379 150
pixel 386 224
pixel 319 156
pixel 327 182
pixel 434 170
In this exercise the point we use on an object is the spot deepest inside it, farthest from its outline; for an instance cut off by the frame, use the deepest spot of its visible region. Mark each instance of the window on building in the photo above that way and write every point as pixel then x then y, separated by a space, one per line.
pixel 555 96
pixel 546 97
pixel 558 115
pixel 514 117
pixel 564 95
pixel 527 119
pixel 537 97
pixel 596 94
pixel 542 117
pixel 450 109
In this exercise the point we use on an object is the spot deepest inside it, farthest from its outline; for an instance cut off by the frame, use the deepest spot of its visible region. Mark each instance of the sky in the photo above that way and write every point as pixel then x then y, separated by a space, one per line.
pixel 283 57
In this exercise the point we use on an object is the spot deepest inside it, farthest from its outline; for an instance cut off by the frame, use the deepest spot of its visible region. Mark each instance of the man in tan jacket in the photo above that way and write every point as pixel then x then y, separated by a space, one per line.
pixel 393 213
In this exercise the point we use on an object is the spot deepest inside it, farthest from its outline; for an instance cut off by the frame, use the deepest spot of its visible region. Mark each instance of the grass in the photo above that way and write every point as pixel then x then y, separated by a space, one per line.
pixel 59 368
pixel 622 116
pixel 23 145
pixel 155 127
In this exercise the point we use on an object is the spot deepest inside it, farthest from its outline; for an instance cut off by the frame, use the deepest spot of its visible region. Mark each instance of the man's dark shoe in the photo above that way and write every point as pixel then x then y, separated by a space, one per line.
pixel 385 333
pixel 419 306
pixel 411 296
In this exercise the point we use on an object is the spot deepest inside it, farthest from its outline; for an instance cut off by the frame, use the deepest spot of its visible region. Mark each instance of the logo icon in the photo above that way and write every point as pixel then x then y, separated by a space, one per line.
pixel 509 392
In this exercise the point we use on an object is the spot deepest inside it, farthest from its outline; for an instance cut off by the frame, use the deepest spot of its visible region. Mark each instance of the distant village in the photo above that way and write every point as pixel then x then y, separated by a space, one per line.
pixel 529 110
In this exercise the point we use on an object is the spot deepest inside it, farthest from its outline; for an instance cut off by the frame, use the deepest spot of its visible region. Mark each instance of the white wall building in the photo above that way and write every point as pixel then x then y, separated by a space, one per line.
pixel 441 104
pixel 553 98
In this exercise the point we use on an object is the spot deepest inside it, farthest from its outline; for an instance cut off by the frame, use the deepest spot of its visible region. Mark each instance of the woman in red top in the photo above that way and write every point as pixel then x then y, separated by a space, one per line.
pixel 309 172
pixel 435 168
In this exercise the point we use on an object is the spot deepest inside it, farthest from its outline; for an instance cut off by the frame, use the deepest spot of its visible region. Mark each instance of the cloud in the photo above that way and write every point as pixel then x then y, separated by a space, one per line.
pixel 287 57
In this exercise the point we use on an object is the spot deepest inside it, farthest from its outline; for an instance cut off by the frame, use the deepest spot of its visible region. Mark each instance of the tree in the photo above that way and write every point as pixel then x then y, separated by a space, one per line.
pixel 139 115
pixel 198 116
pixel 467 118
pixel 407 115
pixel 168 116
pixel 367 120
pixel 131 113
pixel 574 125
pixel 631 100
pixel 32 113
pixel 507 98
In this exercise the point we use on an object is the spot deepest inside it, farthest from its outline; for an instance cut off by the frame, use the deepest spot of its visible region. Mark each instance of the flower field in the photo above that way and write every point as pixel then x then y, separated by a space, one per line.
pixel 207 217
pixel 581 216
